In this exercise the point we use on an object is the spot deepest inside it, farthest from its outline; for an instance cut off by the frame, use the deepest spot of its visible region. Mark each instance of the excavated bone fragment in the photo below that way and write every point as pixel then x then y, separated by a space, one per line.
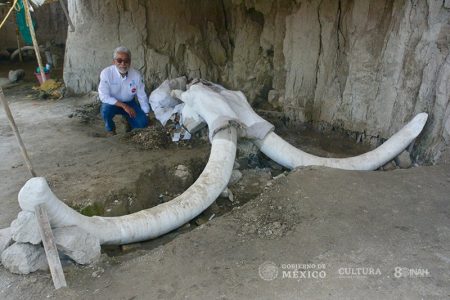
pixel 25 228
pixel 77 244
pixel 184 174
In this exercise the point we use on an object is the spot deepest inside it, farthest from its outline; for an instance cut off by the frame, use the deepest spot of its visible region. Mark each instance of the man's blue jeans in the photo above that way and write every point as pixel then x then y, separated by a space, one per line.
pixel 109 111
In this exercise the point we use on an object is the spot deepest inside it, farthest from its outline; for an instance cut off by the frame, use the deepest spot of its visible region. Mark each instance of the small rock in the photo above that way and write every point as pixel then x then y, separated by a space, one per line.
pixel 184 174
pixel 76 243
pixel 200 221
pixel 23 258
pixel 225 193
pixel 279 177
pixel 25 228
pixel 390 166
pixel 403 160
pixel 273 96
pixel 231 196
pixel 236 165
pixel 236 175
pixel 245 148
pixel 98 273
pixel 5 238
pixel 16 75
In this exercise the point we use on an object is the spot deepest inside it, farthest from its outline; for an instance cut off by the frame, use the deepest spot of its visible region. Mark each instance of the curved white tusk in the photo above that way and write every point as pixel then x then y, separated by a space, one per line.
pixel 16 52
pixel 149 223
pixel 290 157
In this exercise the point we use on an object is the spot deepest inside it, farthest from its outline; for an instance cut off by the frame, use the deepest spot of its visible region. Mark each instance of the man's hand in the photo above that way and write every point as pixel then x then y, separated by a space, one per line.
pixel 128 109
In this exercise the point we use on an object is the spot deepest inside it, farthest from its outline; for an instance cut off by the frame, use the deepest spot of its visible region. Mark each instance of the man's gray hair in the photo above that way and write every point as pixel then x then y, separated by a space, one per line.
pixel 121 49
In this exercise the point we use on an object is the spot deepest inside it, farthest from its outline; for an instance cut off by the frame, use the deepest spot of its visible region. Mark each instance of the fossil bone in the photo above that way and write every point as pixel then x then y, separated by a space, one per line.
pixel 290 157
pixel 227 113
pixel 149 223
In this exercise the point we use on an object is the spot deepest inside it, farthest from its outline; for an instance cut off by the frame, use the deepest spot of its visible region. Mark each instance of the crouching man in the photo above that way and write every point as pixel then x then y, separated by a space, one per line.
pixel 119 85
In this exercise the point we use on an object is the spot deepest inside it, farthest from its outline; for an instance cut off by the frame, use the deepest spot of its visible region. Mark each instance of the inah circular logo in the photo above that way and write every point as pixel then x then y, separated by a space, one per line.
pixel 268 270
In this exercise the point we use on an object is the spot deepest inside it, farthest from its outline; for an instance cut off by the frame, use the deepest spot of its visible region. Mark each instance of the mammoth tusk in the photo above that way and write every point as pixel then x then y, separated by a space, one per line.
pixel 16 52
pixel 149 223
pixel 220 109
pixel 290 157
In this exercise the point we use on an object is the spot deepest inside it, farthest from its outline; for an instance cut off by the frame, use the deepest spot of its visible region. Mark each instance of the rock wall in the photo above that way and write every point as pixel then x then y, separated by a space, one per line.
pixel 364 66
pixel 51 26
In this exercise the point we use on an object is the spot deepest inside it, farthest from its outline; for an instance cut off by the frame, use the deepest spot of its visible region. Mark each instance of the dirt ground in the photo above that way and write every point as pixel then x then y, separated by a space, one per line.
pixel 312 233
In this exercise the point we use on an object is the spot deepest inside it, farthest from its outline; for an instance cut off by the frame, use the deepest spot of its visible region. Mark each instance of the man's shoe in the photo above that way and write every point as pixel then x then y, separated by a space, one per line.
pixel 110 133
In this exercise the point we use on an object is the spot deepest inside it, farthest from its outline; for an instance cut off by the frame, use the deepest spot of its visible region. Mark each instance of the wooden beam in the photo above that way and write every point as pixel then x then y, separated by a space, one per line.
pixel 33 37
pixel 16 132
pixel 51 252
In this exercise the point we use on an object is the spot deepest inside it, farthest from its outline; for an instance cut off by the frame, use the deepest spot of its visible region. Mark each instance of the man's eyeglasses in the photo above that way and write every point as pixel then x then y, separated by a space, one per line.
pixel 125 61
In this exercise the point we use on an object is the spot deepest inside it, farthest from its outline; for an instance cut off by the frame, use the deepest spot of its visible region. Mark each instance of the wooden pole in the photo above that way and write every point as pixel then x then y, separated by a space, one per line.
pixel 33 37
pixel 66 13
pixel 18 45
pixel 51 251
pixel 16 132
pixel 45 229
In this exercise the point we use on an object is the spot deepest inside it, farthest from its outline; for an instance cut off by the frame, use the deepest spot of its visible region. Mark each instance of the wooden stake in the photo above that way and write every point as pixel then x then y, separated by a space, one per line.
pixel 51 252
pixel 16 132
pixel 33 37
pixel 18 42
pixel 18 45
pixel 66 13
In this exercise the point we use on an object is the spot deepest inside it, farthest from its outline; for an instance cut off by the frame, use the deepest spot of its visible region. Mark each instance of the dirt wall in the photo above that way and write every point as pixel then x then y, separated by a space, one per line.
pixel 363 66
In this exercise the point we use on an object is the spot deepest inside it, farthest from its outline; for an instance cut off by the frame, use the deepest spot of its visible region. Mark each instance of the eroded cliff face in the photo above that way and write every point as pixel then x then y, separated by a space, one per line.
pixel 365 66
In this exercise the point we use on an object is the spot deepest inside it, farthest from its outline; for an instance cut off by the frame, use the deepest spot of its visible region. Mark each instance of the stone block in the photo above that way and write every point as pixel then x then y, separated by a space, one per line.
pixel 24 258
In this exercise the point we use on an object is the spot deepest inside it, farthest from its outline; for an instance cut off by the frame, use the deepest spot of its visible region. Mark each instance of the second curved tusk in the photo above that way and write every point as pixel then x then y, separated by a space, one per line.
pixel 290 157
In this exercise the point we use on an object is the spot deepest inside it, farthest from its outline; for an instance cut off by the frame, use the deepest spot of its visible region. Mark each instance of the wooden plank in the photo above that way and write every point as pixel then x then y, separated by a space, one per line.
pixel 16 132
pixel 54 263
pixel 33 38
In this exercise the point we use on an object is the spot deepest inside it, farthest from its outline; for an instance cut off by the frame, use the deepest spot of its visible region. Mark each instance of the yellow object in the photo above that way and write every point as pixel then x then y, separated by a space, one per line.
pixel 49 85
pixel 51 88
